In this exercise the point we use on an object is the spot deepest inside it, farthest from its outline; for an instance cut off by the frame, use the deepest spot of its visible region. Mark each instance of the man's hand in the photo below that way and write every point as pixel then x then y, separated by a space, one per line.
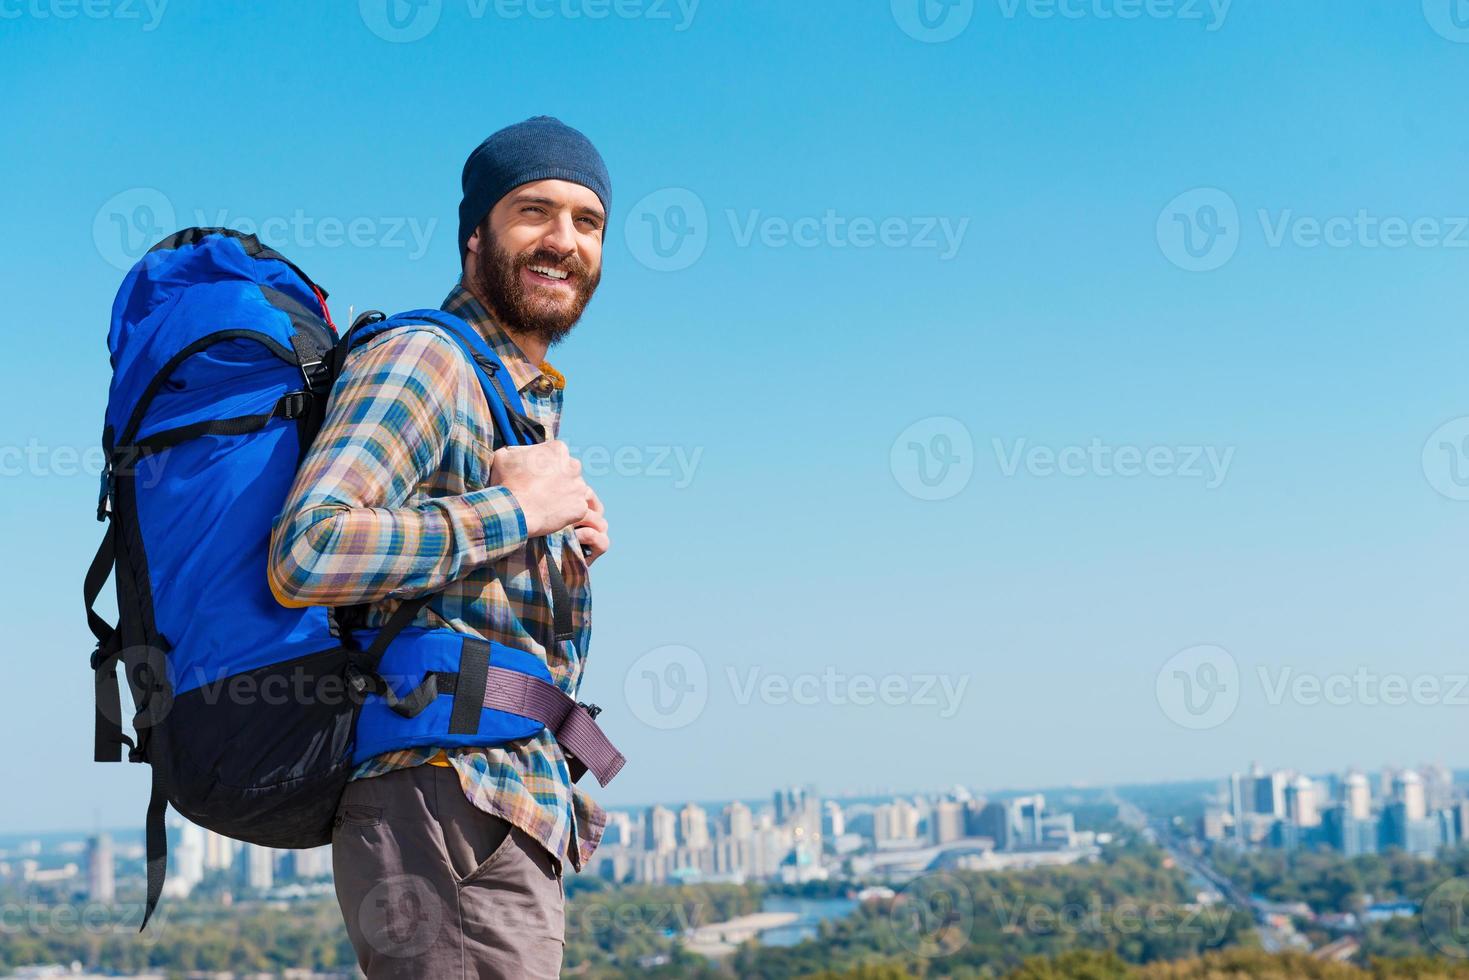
pixel 591 531
pixel 546 482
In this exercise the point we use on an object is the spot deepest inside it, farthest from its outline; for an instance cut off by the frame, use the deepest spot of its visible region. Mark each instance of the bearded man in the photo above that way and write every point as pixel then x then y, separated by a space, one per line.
pixel 448 863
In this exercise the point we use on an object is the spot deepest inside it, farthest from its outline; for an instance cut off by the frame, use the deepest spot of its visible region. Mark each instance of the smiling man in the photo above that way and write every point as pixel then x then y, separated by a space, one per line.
pixel 448 863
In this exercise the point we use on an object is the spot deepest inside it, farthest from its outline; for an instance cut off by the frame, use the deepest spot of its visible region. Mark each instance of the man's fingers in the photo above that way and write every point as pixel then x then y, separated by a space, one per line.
pixel 594 501
pixel 593 520
pixel 594 542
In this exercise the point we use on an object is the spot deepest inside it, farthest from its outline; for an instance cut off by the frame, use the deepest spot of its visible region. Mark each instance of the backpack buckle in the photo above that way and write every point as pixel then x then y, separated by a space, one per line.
pixel 104 493
pixel 294 404
pixel 592 710
pixel 306 367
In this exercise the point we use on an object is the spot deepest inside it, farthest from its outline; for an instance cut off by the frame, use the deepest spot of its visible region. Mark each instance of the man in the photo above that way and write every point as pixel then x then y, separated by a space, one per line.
pixel 449 863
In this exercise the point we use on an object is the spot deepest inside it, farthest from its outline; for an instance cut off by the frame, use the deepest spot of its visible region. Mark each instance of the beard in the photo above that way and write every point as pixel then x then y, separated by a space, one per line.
pixel 498 283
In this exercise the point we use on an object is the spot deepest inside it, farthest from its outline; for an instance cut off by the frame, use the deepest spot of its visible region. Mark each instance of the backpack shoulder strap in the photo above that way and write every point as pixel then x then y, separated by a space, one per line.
pixel 512 424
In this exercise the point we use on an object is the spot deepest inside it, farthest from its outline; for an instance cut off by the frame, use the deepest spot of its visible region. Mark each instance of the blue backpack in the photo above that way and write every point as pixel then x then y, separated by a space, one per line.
pixel 253 715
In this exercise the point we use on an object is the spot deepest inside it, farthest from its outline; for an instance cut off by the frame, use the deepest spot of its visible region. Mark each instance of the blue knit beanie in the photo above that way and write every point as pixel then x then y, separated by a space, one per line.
pixel 541 148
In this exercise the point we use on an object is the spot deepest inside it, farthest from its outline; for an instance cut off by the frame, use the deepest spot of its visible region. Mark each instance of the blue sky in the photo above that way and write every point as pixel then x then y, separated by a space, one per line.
pixel 891 303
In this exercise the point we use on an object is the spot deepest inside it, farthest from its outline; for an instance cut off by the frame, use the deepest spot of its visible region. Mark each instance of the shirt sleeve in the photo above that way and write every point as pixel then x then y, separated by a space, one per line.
pixel 347 533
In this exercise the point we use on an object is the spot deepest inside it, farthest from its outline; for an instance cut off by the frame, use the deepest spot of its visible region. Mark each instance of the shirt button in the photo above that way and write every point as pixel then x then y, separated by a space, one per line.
pixel 542 387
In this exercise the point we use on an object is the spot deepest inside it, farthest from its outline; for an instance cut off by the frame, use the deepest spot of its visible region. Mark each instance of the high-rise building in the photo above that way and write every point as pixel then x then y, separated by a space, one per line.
pixel 618 830
pixel 1300 802
pixel 1401 829
pixel 1408 790
pixel 1357 796
pixel 693 827
pixel 312 862
pixel 787 802
pixel 219 852
pixel 895 822
pixel 1237 806
pixel 739 823
pixel 1269 792
pixel 189 857
pixel 833 820
pixel 1438 787
pixel 1348 833
pixel 259 867
pixel 948 821
pixel 101 885
pixel 1019 823
pixel 661 832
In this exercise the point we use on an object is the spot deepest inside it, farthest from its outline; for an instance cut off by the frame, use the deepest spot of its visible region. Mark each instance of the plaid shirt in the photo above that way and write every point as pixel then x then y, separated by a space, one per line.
pixel 394 500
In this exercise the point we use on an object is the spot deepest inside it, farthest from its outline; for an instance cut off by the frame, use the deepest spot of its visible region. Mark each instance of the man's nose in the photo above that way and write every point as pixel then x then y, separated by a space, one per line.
pixel 560 236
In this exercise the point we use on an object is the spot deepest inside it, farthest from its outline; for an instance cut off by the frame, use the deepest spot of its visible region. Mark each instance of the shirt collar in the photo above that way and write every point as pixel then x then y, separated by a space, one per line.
pixel 541 381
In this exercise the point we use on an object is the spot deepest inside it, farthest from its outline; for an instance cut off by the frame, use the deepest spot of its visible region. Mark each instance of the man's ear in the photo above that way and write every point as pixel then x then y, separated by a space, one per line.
pixel 473 243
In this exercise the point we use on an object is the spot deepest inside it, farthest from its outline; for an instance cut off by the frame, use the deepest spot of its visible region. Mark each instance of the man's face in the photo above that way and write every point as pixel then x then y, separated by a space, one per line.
pixel 539 257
